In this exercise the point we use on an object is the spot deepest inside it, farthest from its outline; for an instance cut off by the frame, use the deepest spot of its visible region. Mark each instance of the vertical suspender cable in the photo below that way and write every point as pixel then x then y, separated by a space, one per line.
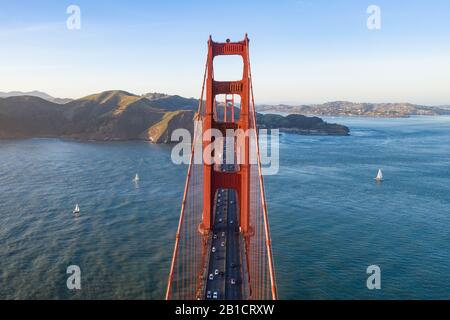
pixel 263 198
pixel 186 187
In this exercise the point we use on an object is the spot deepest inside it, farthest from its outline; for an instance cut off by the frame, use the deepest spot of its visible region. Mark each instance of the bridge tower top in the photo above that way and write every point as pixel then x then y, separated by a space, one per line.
pixel 213 179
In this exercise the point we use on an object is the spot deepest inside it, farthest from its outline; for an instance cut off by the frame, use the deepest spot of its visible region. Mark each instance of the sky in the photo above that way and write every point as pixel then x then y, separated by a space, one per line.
pixel 302 51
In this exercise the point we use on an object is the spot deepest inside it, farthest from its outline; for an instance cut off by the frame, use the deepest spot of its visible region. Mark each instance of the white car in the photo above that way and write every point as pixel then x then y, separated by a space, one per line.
pixel 233 281
pixel 222 244
pixel 215 295
pixel 231 222
pixel 220 220
pixel 223 233
pixel 215 236
pixel 216 272
pixel 213 249
pixel 211 277
pixel 208 295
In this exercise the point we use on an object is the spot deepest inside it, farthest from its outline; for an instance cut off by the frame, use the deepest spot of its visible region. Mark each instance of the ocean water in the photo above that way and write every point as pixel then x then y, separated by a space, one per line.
pixel 329 219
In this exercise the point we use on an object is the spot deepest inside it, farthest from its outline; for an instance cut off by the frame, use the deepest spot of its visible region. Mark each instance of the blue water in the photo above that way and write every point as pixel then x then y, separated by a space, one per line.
pixel 329 219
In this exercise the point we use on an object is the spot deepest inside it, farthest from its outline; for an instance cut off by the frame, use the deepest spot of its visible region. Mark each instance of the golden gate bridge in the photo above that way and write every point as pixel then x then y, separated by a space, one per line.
pixel 223 246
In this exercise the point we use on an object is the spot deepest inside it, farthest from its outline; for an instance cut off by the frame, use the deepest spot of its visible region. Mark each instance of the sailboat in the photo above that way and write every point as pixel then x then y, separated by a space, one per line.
pixel 136 178
pixel 379 176
pixel 77 209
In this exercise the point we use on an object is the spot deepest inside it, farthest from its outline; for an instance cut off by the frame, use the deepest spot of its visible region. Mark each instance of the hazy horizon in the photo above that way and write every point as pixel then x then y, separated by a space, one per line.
pixel 256 102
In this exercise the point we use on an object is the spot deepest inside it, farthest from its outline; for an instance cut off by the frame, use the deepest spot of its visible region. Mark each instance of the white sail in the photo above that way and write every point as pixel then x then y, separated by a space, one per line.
pixel 136 177
pixel 77 209
pixel 379 175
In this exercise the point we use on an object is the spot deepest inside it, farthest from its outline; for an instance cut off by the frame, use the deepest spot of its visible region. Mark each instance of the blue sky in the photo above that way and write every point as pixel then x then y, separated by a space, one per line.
pixel 303 51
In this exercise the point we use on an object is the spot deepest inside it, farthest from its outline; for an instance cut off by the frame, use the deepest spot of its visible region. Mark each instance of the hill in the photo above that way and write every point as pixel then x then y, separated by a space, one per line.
pixel 110 115
pixel 295 123
pixel 120 115
pixel 39 94
pixel 169 102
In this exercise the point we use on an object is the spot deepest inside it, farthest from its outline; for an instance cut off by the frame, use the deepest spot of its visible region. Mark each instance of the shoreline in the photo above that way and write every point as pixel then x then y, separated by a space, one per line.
pixel 358 116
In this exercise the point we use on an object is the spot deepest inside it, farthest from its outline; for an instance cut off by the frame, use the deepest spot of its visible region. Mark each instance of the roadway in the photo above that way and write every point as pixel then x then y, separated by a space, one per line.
pixel 224 277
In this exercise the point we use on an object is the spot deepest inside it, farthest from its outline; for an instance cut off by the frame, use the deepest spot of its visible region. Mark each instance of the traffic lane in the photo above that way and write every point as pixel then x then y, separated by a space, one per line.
pixel 235 254
pixel 229 290
pixel 230 256
pixel 233 291
pixel 217 258
pixel 222 216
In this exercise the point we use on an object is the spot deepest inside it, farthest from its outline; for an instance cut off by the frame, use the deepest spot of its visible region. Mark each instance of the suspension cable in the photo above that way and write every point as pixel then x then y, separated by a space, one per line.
pixel 186 187
pixel 263 197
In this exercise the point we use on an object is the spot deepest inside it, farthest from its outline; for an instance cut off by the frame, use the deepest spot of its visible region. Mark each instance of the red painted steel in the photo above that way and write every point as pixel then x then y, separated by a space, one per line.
pixel 213 88
pixel 191 254
pixel 229 108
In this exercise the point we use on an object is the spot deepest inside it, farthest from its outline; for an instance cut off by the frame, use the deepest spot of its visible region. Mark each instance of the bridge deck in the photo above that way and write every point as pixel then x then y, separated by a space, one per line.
pixel 224 277
pixel 224 268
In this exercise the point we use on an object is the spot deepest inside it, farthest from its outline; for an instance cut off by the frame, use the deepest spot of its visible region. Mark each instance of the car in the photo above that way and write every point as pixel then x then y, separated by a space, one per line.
pixel 223 233
pixel 233 281
pixel 222 244
pixel 215 295
pixel 215 236
pixel 208 295
pixel 231 201
pixel 213 249
pixel 222 273
pixel 220 220
pixel 216 272
pixel 211 277
pixel 231 222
